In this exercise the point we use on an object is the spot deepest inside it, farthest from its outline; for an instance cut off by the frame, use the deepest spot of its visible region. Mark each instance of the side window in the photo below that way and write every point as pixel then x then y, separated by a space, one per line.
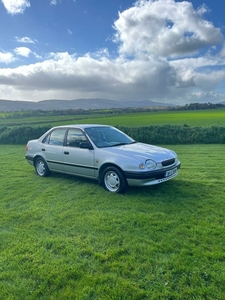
pixel 75 137
pixel 56 137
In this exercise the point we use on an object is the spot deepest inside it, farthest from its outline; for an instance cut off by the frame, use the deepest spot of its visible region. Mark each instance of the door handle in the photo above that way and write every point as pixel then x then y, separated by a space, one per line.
pixel 66 152
pixel 43 149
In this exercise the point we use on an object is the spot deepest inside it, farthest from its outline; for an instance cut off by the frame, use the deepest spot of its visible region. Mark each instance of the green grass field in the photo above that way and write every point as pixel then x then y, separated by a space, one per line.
pixel 191 118
pixel 67 238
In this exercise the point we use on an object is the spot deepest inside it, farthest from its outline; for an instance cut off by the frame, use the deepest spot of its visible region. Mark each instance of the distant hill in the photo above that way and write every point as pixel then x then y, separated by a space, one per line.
pixel 93 103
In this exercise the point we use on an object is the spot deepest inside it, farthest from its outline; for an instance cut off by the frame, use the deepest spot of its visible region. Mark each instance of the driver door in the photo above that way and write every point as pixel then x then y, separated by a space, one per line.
pixel 76 160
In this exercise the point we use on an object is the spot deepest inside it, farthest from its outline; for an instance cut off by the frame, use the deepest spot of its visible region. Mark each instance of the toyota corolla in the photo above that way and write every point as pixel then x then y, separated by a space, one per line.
pixel 103 153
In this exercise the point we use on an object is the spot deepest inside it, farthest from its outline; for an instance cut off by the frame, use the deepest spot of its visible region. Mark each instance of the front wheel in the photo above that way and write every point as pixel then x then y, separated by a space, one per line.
pixel 113 180
pixel 41 167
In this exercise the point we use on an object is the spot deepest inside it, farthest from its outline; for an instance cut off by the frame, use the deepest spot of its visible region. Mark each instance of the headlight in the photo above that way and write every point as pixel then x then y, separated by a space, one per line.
pixel 173 152
pixel 175 156
pixel 150 164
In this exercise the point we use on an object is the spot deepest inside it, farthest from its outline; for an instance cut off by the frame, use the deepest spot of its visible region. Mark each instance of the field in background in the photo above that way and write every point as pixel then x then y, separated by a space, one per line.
pixel 154 127
pixel 67 238
pixel 191 118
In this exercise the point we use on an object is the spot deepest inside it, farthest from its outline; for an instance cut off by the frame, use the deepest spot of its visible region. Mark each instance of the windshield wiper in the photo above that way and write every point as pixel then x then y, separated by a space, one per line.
pixel 134 142
pixel 122 144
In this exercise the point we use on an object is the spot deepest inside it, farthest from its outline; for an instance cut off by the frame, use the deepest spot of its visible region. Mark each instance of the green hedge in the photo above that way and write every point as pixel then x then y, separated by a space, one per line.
pixel 177 134
pixel 20 134
pixel 149 134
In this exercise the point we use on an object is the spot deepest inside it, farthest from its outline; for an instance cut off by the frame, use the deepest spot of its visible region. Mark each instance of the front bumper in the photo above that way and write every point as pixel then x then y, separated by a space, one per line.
pixel 151 177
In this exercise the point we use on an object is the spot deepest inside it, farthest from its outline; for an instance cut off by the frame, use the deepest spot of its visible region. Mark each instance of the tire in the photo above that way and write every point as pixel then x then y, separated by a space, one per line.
pixel 41 167
pixel 113 180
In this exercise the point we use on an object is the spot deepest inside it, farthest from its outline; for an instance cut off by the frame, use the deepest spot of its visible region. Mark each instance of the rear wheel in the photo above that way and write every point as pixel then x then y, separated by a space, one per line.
pixel 41 167
pixel 113 180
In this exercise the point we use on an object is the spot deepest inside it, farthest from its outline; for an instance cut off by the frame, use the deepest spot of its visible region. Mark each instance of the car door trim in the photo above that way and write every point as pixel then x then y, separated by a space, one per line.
pixel 72 165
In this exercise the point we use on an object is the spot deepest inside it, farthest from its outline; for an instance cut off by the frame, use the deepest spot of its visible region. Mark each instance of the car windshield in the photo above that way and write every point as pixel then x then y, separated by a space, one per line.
pixel 108 137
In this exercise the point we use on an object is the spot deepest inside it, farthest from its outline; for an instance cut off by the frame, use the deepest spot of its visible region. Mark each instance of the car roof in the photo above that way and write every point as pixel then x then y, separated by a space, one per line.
pixel 82 126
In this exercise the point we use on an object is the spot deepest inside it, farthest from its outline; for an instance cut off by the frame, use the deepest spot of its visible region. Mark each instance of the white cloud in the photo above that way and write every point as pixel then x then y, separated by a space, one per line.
pixel 69 31
pixel 202 10
pixel 15 6
pixel 22 51
pixel 204 97
pixel 104 52
pixel 6 57
pixel 69 77
pixel 53 2
pixel 222 52
pixel 25 40
pixel 164 27
pixel 208 82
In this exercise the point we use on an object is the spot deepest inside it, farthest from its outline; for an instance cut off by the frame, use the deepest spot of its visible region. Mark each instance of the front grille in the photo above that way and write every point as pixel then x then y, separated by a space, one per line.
pixel 160 176
pixel 168 162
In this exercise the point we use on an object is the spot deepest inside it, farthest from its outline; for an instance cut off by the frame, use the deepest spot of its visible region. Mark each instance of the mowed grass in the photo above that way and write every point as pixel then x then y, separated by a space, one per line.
pixel 63 237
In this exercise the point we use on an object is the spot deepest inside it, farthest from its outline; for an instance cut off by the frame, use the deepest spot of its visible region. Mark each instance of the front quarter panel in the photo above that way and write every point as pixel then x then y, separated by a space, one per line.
pixel 125 163
pixel 129 163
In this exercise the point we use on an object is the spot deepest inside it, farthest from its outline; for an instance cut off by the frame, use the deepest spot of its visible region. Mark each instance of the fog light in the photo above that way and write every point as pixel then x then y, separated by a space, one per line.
pixel 142 166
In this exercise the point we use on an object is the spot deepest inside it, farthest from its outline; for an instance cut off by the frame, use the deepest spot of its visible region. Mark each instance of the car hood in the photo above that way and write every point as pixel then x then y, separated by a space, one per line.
pixel 142 151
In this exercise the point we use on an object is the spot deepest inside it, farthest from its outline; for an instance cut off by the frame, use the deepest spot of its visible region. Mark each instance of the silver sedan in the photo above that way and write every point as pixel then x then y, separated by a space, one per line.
pixel 104 153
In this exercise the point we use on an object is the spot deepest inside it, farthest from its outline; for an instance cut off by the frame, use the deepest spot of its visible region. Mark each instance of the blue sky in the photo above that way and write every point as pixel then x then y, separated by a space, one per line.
pixel 161 50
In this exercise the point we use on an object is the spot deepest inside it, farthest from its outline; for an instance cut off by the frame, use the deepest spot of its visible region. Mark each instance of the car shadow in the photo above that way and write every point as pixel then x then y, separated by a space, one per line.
pixel 172 191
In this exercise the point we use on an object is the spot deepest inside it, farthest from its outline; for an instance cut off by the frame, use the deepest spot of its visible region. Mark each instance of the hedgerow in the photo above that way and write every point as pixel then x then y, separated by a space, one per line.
pixel 166 134
pixel 20 134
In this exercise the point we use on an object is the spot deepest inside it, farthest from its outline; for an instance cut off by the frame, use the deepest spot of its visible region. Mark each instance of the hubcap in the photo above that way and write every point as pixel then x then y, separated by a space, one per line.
pixel 41 168
pixel 112 181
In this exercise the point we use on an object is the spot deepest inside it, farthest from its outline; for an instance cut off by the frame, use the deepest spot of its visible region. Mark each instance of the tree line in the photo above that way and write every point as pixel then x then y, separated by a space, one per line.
pixel 196 106
pixel 109 111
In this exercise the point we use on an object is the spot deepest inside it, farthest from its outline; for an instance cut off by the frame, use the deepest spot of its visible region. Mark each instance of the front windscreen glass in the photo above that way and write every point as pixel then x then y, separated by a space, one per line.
pixel 108 137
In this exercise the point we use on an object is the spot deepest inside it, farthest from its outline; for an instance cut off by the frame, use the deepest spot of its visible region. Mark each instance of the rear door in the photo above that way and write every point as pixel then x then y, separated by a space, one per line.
pixel 52 149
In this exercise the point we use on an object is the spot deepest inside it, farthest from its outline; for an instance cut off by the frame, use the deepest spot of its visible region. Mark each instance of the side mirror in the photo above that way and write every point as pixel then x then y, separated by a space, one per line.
pixel 86 145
